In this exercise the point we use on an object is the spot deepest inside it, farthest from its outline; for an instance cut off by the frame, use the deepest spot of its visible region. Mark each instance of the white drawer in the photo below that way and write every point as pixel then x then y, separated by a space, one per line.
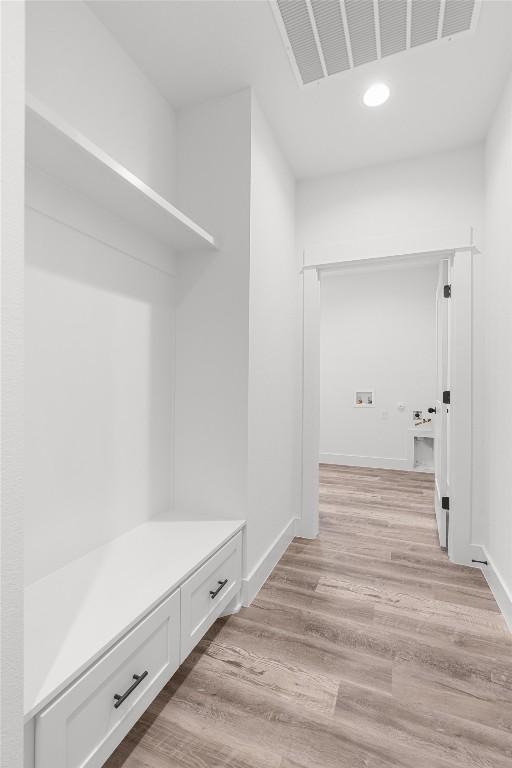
pixel 207 592
pixel 82 727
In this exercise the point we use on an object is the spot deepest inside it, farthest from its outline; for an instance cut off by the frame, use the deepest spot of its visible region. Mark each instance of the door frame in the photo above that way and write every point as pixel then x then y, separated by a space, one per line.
pixel 442 409
pixel 460 546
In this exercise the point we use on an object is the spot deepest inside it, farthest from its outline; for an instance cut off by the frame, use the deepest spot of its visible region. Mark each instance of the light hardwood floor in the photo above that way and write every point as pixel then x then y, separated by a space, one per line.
pixel 365 649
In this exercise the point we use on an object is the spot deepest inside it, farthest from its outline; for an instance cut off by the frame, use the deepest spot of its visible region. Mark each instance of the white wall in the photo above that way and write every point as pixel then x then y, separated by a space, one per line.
pixel 274 363
pixel 99 310
pixel 212 312
pixel 237 358
pixel 413 203
pixel 377 330
pixel 492 509
pixel 99 363
pixel 12 108
pixel 77 68
pixel 225 346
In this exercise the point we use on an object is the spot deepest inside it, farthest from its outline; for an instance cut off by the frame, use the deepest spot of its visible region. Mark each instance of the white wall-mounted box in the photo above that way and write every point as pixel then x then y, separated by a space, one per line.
pixel 364 398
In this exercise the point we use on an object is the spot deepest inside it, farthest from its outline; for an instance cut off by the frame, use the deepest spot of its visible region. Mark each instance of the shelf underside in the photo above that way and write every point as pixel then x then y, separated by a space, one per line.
pixel 63 153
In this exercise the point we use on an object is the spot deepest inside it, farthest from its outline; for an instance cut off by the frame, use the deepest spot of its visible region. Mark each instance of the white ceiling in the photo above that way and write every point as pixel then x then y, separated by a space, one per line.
pixel 442 95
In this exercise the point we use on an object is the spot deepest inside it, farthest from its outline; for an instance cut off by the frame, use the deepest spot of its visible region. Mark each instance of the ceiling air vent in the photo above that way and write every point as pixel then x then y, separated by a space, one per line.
pixel 325 37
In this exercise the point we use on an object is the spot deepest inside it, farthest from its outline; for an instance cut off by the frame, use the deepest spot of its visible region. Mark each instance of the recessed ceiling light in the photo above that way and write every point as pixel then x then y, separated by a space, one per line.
pixel 376 95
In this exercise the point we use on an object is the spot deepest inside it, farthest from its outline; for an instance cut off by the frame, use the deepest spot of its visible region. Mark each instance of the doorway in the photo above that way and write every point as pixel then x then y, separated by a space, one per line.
pixel 451 425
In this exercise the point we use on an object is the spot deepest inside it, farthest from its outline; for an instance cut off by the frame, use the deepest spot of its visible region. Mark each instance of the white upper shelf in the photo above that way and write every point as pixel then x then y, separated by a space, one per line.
pixel 64 153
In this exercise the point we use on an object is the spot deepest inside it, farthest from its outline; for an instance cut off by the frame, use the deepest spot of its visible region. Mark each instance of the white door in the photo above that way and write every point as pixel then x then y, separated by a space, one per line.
pixel 441 405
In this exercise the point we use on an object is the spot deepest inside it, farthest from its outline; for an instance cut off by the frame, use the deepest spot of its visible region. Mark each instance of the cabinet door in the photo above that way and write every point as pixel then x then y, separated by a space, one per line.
pixel 205 595
pixel 83 725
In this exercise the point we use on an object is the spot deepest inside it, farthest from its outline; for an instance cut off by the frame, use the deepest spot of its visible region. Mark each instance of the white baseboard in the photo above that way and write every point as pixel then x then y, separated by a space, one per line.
pixel 499 589
pixel 233 606
pixel 232 611
pixel 306 529
pixel 377 462
pixel 252 584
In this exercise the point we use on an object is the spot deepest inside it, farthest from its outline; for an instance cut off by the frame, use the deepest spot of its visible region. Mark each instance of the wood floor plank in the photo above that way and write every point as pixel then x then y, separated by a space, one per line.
pixel 366 648
pixel 272 724
pixel 305 688
pixel 312 653
pixel 436 735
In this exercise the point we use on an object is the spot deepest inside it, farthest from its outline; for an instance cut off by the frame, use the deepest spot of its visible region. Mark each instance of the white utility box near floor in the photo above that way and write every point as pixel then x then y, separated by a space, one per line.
pixel 422 449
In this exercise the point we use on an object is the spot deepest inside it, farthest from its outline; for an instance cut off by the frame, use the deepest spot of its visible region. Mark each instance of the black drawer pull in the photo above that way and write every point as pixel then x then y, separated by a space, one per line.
pixel 221 584
pixel 120 698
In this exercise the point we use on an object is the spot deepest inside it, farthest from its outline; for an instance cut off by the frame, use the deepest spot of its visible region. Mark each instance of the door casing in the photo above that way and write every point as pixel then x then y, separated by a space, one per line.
pixel 442 410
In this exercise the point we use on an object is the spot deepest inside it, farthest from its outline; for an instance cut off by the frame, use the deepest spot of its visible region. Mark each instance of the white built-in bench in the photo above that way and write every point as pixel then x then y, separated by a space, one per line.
pixel 105 633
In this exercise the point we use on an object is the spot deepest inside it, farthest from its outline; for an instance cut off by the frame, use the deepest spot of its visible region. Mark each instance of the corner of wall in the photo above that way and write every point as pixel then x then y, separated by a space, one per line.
pixel 12 111
pixel 492 523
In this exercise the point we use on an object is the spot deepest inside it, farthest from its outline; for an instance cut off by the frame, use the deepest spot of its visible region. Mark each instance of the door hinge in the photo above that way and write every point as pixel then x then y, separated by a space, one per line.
pixel 446 397
pixel 445 502
pixel 447 291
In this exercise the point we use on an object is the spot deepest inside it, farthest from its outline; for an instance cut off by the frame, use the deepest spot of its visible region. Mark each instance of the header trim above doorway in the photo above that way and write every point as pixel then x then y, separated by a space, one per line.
pixel 412 244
